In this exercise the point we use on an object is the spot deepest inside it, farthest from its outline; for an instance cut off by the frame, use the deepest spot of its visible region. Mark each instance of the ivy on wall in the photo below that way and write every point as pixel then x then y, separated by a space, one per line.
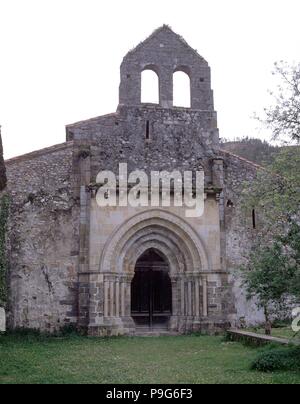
pixel 4 211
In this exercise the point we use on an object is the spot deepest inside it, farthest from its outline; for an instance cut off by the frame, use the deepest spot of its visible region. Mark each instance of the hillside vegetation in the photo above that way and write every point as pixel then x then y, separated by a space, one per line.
pixel 256 150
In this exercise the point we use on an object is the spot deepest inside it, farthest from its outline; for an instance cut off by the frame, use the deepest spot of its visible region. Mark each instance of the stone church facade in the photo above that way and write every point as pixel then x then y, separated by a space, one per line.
pixel 117 270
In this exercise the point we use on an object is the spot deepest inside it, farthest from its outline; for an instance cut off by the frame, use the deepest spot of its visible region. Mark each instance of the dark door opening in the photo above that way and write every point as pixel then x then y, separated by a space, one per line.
pixel 151 291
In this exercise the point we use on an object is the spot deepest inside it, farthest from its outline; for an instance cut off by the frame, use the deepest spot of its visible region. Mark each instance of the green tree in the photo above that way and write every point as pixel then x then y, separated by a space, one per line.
pixel 291 244
pixel 272 274
pixel 275 194
pixel 256 150
pixel 283 117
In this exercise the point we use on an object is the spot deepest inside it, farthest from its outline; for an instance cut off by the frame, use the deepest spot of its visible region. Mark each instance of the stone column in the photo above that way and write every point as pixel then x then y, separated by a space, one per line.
pixel 115 299
pixel 175 303
pixel 127 320
pixel 106 298
pixel 175 308
pixel 184 303
pixel 190 312
pixel 117 287
pixel 182 297
pixel 196 322
pixel 205 301
pixel 197 298
pixel 123 294
pixel 112 298
pixel 128 297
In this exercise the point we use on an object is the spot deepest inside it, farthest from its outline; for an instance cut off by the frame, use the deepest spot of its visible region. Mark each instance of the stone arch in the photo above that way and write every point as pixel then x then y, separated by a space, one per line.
pixel 184 69
pixel 157 251
pixel 157 235
pixel 176 264
pixel 153 67
pixel 182 87
pixel 150 84
pixel 155 226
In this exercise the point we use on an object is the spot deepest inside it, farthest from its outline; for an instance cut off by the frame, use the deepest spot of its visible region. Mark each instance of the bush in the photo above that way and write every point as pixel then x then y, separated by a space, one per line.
pixel 278 359
pixel 68 330
pixel 282 323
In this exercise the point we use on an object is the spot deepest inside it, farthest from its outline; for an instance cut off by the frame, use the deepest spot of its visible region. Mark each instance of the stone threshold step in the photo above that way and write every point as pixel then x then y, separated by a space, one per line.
pixel 154 334
pixel 156 331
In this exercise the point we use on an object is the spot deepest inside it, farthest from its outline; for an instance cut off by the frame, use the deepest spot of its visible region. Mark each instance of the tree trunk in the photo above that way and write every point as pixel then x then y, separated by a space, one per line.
pixel 268 324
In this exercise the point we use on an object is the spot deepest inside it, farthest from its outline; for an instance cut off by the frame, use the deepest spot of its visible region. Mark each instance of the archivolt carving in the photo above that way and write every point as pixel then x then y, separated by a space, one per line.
pixel 170 251
pixel 158 229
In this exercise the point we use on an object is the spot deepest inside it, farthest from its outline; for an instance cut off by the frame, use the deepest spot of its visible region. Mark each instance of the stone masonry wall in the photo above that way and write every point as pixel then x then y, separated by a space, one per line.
pixel 239 235
pixel 165 53
pixel 178 139
pixel 43 239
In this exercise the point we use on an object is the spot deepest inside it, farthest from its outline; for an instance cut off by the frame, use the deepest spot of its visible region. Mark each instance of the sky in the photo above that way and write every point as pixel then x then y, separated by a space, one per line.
pixel 60 59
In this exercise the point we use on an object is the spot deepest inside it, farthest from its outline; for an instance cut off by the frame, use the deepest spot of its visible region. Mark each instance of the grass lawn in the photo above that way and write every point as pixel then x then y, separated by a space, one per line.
pixel 184 359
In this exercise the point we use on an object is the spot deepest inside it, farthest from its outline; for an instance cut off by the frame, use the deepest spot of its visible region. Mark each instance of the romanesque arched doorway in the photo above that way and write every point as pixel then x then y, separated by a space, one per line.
pixel 151 291
pixel 169 246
